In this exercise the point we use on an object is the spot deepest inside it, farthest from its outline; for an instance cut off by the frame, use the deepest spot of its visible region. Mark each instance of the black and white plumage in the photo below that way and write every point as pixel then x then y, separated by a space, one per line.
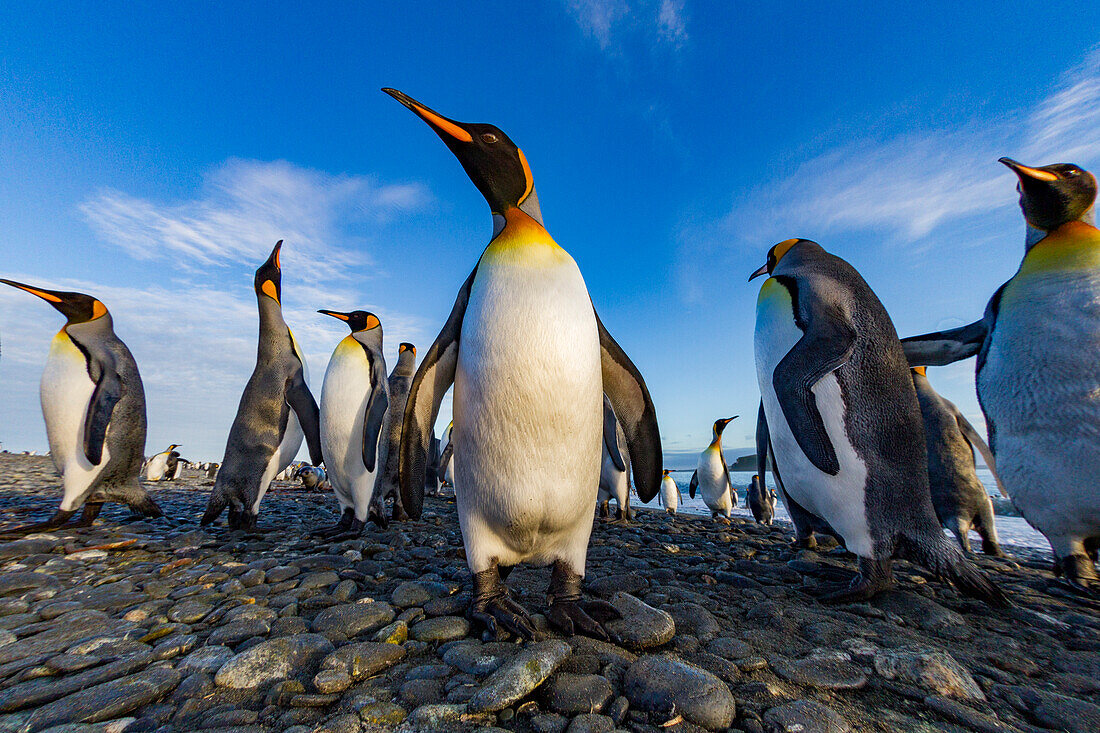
pixel 843 419
pixel 614 467
pixel 93 402
pixel 387 485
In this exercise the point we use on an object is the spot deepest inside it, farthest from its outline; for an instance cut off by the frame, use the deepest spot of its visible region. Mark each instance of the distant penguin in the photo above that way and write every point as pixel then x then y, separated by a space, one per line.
pixel 211 470
pixel 712 477
pixel 670 492
pixel 400 380
pixel 761 500
pixel 94 406
pixel 447 458
pixel 529 359
pixel 959 497
pixel 157 469
pixel 354 402
pixel 615 469
pixel 1038 347
pixel 275 411
pixel 431 473
pixel 844 421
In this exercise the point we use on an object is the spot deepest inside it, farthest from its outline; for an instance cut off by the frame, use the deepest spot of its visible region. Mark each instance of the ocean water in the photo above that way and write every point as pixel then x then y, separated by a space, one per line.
pixel 1011 530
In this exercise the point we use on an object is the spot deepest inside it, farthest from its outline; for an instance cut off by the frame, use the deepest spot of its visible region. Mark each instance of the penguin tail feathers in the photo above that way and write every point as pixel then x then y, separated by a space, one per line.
pixel 948 563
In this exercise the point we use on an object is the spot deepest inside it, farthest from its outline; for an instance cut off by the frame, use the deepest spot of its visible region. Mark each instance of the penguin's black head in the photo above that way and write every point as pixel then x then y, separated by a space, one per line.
pixel 1053 195
pixel 665 472
pixel 406 346
pixel 492 161
pixel 776 253
pixel 721 423
pixel 76 307
pixel 356 320
pixel 269 278
pixel 172 447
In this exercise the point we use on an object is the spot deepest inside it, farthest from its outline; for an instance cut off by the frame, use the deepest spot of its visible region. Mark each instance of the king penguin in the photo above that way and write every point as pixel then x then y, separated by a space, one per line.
pixel 276 411
pixel 958 496
pixel 1038 345
pixel 712 477
pixel 93 402
pixel 614 467
pixel 158 469
pixel 761 500
pixel 446 463
pixel 843 418
pixel 670 492
pixel 400 381
pixel 529 360
pixel 354 401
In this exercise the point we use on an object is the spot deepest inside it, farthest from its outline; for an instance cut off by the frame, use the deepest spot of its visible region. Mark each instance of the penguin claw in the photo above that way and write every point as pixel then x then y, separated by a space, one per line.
pixel 571 617
pixel 511 616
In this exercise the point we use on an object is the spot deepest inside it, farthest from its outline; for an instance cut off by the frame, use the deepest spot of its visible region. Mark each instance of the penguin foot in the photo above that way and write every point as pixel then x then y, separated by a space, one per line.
pixel 873 578
pixel 399 514
pixel 377 515
pixel 569 613
pixel 88 516
pixel 492 603
pixel 1079 573
pixel 57 520
pixel 340 527
pixel 354 531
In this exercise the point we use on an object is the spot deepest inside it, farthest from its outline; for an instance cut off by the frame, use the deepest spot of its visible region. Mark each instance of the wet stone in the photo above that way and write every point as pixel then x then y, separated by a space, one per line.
pixel 440 629
pixel 930 669
pixel 805 716
pixel 476 658
pixel 353 619
pixel 519 676
pixel 366 659
pixel 208 659
pixel 663 683
pixel 590 723
pixel 642 626
pixel 189 612
pixel 276 659
pixel 573 694
pixel 234 633
pixel 820 672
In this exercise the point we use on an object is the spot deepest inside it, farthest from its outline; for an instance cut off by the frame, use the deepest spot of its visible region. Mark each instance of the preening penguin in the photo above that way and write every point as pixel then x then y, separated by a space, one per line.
pixel 93 402
pixel 712 477
pixel 529 360
pixel 843 418
pixel 614 467
pixel 276 411
pixel 400 380
pixel 354 402
pixel 670 492
pixel 958 496
pixel 158 468
pixel 1038 345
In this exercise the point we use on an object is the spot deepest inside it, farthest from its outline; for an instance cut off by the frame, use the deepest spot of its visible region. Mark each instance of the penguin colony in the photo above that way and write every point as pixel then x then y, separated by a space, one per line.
pixel 551 416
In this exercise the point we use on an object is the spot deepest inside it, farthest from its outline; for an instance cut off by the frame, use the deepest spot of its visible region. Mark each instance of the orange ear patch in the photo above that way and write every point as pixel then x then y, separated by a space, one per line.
pixel 372 322
pixel 270 290
pixel 783 248
pixel 527 175
pixel 98 309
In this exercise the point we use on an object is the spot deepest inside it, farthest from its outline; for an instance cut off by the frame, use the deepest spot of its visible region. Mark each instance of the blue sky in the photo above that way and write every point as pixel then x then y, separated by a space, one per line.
pixel 151 155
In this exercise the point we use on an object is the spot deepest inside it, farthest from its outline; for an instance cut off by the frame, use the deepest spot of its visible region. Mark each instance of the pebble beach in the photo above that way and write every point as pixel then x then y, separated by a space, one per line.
pixel 160 625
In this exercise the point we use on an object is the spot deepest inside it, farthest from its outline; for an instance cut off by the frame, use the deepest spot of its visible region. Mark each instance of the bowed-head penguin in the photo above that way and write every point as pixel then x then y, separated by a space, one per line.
pixel 712 477
pixel 276 411
pixel 1038 345
pixel 615 468
pixel 158 469
pixel 93 402
pixel 354 402
pixel 958 496
pixel 400 380
pixel 843 418
pixel 529 360
pixel 761 500
pixel 670 492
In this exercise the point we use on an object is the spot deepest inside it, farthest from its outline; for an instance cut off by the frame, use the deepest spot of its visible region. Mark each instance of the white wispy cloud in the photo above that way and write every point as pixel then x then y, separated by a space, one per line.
pixel 609 21
pixel 244 207
pixel 909 185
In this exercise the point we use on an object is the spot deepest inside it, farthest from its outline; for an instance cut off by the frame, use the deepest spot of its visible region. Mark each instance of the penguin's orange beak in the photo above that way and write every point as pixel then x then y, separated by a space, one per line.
pixel 335 314
pixel 1026 171
pixel 443 126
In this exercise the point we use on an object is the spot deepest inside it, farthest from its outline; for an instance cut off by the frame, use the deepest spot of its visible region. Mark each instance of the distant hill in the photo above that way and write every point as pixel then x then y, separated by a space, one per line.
pixel 744 463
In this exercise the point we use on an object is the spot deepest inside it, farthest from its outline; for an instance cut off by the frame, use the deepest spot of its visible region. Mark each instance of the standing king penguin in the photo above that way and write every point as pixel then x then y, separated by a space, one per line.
pixel 843 418
pixel 1038 346
pixel 670 492
pixel 400 381
pixel 761 500
pixel 530 361
pixel 958 496
pixel 94 405
pixel 614 467
pixel 354 402
pixel 712 477
pixel 276 410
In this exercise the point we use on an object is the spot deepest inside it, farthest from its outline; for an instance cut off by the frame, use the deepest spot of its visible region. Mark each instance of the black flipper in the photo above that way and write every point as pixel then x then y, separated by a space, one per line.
pixel 611 435
pixel 377 404
pixel 762 441
pixel 108 391
pixel 946 347
pixel 729 483
pixel 694 483
pixel 629 396
pixel 826 344
pixel 972 436
pixel 305 407
pixel 434 377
